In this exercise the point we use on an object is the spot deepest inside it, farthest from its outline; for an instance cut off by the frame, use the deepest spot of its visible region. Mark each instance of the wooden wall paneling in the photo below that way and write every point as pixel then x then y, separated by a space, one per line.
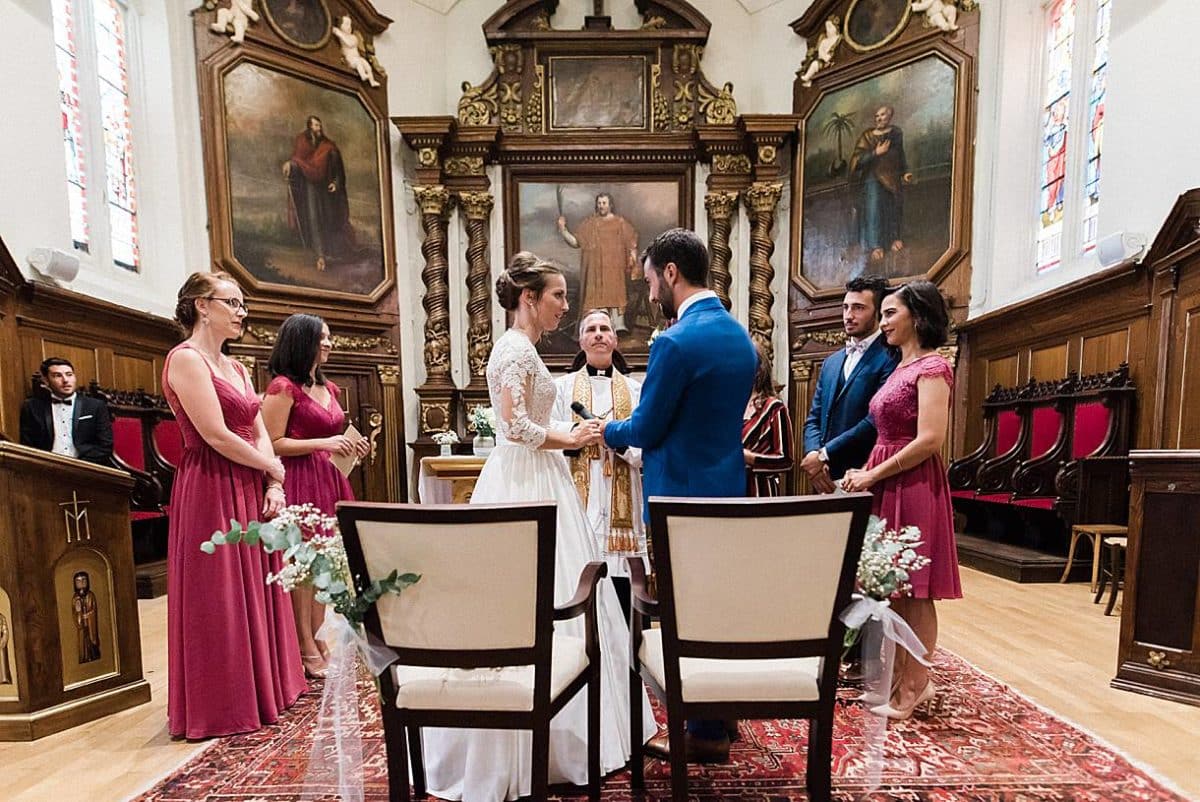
pixel 1106 351
pixel 86 359
pixel 1049 363
pixel 1184 422
pixel 131 371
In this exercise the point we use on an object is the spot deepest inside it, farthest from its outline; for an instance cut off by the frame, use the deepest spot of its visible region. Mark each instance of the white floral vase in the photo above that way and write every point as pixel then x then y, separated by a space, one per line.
pixel 447 450
pixel 483 445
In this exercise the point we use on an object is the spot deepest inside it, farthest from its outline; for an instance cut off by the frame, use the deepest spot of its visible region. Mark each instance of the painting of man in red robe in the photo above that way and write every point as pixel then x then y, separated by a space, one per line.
pixel 318 205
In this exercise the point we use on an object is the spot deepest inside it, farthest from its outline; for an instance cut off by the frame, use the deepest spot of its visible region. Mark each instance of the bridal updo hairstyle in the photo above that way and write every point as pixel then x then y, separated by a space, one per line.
pixel 198 285
pixel 525 271
pixel 930 313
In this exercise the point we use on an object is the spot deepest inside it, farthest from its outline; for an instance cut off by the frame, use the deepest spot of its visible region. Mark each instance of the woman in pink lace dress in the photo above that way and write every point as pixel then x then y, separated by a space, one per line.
pixel 306 423
pixel 906 473
pixel 233 664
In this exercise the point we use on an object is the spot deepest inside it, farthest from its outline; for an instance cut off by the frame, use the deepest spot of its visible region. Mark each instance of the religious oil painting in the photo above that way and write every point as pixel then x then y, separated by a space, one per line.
pixel 597 230
pixel 878 165
pixel 303 161
pixel 83 594
pixel 303 23
pixel 871 24
pixel 597 92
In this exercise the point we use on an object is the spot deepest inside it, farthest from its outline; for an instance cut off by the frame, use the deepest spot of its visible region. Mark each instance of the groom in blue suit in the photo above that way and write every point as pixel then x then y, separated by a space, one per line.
pixel 688 422
pixel 839 432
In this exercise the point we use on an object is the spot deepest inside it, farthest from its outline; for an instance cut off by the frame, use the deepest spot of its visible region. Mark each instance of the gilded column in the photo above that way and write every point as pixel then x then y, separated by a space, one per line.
pixel 389 378
pixel 720 207
pixel 762 198
pixel 477 207
pixel 437 393
pixel 798 399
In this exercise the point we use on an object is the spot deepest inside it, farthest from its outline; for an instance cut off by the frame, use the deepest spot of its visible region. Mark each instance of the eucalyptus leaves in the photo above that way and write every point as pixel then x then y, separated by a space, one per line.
pixel 889 559
pixel 318 560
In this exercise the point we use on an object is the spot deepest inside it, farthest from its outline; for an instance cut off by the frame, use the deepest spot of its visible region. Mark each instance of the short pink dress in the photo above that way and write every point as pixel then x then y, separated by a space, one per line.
pixel 312 478
pixel 920 495
pixel 233 660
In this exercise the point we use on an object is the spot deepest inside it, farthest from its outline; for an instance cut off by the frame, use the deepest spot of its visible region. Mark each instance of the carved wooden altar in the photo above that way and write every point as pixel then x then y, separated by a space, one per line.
pixel 661 118
pixel 865 56
pixel 258 97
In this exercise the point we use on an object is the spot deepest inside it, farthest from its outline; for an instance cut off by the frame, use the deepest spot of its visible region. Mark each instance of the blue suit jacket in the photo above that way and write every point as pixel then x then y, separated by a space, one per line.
pixel 839 420
pixel 688 422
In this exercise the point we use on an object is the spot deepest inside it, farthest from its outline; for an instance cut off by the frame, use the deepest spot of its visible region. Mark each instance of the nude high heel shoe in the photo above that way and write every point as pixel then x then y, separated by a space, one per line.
pixel 901 714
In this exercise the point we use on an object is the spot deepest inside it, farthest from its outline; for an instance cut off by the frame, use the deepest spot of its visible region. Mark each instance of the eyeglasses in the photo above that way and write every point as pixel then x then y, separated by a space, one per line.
pixel 233 303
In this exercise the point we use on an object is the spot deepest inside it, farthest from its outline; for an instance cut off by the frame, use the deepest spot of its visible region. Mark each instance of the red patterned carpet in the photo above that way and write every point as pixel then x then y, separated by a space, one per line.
pixel 985 743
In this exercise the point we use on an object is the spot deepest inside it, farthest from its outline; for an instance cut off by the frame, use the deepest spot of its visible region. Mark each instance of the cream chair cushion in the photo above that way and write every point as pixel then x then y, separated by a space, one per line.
pixel 508 689
pixel 706 680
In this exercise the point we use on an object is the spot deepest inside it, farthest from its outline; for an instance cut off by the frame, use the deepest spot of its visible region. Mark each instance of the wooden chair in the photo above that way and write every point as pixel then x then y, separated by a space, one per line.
pixel 749 592
pixel 1096 534
pixel 485 600
pixel 1115 572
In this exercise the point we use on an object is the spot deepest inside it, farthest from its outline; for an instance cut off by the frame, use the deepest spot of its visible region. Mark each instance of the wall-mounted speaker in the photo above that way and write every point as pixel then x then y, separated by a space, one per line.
pixel 1118 247
pixel 55 264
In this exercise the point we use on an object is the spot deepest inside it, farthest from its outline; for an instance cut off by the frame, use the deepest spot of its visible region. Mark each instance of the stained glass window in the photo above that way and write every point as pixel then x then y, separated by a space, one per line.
pixel 1096 87
pixel 94 90
pixel 1056 114
pixel 67 57
pixel 112 72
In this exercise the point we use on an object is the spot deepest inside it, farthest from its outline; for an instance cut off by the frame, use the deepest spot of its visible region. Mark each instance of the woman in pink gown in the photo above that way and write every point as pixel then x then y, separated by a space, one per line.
pixel 906 473
pixel 306 423
pixel 233 664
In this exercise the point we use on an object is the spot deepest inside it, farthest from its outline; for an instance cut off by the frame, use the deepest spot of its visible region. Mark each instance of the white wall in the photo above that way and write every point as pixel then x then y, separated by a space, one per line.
pixel 1146 161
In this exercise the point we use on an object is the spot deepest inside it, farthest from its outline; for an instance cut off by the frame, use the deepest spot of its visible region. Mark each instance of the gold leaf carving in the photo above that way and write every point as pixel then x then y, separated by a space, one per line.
pixel 718 109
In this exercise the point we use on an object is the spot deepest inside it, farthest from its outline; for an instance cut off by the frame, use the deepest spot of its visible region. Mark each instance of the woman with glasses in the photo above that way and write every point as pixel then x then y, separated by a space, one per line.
pixel 234 662
pixel 306 423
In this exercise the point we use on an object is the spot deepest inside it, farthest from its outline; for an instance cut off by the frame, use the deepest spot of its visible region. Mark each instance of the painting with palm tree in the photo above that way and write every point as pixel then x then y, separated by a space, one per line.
pixel 878 165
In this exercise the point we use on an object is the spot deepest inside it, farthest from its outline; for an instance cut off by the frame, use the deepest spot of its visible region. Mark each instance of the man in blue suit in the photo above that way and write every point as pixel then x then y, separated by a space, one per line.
pixel 688 422
pixel 839 432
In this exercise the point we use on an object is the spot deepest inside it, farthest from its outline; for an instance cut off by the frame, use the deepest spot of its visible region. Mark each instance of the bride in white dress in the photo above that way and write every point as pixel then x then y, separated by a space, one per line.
pixel 527 465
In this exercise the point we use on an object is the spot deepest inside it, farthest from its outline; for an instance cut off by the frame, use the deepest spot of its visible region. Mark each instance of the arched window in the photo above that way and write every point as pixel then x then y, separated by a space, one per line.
pixel 91 39
pixel 1074 73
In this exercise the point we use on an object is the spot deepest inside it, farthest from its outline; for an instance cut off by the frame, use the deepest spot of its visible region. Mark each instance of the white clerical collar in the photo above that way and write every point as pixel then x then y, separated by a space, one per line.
pixel 869 340
pixel 686 305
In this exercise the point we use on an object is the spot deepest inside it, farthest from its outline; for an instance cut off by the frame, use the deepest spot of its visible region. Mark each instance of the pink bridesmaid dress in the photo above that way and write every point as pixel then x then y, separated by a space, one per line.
pixel 233 657
pixel 920 495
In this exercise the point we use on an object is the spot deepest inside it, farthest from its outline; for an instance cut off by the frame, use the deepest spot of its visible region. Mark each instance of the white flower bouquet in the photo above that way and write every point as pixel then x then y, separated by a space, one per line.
pixel 888 561
pixel 447 438
pixel 318 560
pixel 483 421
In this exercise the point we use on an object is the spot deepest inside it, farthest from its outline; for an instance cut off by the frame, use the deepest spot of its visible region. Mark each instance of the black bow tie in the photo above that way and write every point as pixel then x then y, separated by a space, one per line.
pixel 66 401
pixel 592 371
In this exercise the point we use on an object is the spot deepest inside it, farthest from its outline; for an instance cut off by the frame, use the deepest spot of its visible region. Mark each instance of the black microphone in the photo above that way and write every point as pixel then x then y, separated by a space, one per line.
pixel 579 409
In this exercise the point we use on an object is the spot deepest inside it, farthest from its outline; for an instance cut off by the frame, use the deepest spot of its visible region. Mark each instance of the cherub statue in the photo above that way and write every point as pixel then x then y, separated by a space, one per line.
pixel 239 14
pixel 352 51
pixel 823 53
pixel 941 14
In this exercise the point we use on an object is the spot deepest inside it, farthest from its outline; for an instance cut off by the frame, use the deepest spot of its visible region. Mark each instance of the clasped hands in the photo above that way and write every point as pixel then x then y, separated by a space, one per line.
pixel 587 433
pixel 858 480
pixel 273 499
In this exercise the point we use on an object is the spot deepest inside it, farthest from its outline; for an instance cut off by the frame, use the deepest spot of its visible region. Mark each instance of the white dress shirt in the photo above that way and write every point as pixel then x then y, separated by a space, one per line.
pixel 854 357
pixel 700 296
pixel 64 427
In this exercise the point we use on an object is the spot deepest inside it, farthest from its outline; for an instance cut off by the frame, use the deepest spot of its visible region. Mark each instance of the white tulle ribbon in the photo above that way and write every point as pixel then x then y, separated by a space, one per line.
pixel 894 628
pixel 336 759
pixel 882 628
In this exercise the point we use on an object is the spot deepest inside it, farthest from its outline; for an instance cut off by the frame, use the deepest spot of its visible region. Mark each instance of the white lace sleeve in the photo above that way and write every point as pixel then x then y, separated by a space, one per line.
pixel 516 375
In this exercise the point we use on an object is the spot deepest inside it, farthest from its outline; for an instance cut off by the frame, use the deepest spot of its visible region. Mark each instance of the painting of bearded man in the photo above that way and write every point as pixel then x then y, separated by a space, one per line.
pixel 318 206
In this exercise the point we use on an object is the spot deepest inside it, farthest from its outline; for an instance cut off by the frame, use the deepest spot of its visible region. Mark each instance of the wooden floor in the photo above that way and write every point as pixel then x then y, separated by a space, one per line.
pixel 1047 641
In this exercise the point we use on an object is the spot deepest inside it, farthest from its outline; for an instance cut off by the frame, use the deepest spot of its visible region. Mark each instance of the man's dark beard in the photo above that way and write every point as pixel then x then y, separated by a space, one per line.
pixel 667 307
pixel 314 138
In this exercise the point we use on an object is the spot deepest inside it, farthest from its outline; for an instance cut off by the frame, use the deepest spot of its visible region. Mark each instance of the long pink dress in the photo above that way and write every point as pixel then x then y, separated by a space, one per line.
pixel 920 495
pixel 233 658
pixel 312 478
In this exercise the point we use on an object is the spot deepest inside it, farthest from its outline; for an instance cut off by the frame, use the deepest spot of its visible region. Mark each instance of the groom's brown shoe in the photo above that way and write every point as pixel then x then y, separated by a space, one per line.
pixel 699 750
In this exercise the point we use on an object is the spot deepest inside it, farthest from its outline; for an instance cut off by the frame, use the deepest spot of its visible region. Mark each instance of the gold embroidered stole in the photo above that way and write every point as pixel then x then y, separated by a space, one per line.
pixel 620 534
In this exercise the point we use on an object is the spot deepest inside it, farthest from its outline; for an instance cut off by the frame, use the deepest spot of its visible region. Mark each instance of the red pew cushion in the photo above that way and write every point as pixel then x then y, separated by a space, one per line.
pixel 1091 424
pixel 127 441
pixel 168 440
pixel 1008 426
pixel 1040 502
pixel 1047 421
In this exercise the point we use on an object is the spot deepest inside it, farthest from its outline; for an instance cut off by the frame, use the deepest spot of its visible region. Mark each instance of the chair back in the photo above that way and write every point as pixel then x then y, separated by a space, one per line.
pixel 168 440
pixel 486 594
pixel 756 578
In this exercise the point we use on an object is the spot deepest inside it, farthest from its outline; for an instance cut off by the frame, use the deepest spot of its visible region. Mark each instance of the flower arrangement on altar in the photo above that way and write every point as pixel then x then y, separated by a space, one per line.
pixel 447 438
pixel 483 420
pixel 313 555
pixel 888 561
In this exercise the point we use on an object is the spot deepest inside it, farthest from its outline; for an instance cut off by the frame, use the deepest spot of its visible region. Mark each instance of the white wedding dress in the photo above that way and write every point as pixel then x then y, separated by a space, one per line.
pixel 494 765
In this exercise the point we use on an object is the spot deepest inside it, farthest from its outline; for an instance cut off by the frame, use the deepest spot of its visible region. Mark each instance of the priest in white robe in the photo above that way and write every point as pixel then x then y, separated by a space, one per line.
pixel 609 484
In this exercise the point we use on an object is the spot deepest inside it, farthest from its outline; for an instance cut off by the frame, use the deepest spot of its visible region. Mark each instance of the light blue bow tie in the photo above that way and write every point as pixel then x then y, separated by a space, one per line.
pixel 855 348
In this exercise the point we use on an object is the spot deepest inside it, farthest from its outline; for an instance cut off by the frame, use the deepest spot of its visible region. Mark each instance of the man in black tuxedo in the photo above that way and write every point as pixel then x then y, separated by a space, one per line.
pixel 839 432
pixel 65 422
